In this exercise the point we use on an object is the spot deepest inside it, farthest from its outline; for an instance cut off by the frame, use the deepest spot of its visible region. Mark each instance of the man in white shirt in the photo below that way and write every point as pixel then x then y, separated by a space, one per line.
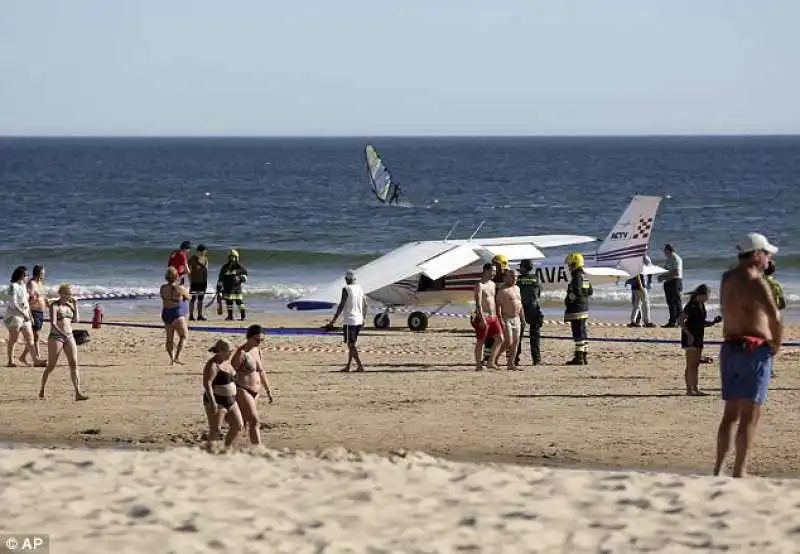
pixel 673 284
pixel 354 306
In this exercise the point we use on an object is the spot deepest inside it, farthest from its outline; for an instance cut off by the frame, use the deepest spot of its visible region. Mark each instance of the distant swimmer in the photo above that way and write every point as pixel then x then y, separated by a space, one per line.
pixel 751 330
pixel 395 196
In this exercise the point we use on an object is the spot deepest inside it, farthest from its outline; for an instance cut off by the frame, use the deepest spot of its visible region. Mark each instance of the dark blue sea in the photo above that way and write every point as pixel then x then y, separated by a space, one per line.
pixel 104 213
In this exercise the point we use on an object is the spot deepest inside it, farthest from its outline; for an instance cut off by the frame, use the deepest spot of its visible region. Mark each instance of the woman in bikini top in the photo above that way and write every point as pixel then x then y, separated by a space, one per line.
pixel 62 313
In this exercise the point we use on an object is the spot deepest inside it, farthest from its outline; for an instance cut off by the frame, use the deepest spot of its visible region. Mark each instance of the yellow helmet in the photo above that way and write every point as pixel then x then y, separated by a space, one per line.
pixel 500 259
pixel 233 252
pixel 574 260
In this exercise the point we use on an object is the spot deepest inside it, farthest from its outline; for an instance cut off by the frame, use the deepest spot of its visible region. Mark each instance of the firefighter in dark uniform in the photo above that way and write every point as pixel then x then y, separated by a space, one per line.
pixel 229 284
pixel 530 290
pixel 577 307
pixel 500 264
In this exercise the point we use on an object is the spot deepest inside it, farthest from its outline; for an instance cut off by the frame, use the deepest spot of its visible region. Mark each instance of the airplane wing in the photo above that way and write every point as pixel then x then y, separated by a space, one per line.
pixel 605 272
pixel 539 241
pixel 433 258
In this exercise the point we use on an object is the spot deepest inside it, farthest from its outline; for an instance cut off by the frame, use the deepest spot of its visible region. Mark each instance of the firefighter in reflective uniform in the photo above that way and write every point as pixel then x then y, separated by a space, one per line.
pixel 229 284
pixel 577 307
pixel 775 286
pixel 500 263
pixel 530 291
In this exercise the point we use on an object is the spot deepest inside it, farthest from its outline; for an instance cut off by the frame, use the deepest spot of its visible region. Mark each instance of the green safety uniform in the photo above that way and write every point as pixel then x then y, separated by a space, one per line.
pixel 530 290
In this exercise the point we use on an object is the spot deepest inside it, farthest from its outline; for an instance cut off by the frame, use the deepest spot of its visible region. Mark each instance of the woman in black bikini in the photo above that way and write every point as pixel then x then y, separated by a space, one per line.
pixel 250 377
pixel 219 398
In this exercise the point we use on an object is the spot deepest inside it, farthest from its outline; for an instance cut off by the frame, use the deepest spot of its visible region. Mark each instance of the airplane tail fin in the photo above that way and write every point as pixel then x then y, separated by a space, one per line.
pixel 627 243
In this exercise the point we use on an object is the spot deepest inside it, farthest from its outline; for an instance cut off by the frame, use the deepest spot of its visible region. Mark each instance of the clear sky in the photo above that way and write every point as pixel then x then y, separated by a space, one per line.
pixel 399 67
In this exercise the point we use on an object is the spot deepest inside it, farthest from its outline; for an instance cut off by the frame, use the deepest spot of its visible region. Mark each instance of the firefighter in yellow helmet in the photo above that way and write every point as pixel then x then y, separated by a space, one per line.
pixel 577 307
pixel 232 276
pixel 500 263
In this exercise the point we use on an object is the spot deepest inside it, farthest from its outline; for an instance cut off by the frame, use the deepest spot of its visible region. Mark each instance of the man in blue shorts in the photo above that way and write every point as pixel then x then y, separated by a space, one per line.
pixel 752 331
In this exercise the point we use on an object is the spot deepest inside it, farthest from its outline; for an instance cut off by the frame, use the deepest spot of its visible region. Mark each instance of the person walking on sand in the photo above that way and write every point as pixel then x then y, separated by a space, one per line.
pixel 250 378
pixel 219 396
pixel 752 332
pixel 17 318
pixel 37 299
pixel 62 313
pixel 174 306
pixel 485 320
pixel 673 284
pixel 509 310
pixel 353 304
pixel 198 281
pixel 693 323
pixel 530 291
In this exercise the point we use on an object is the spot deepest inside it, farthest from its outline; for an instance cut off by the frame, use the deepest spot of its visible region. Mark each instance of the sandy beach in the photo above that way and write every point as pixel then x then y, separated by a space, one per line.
pixel 185 500
pixel 627 409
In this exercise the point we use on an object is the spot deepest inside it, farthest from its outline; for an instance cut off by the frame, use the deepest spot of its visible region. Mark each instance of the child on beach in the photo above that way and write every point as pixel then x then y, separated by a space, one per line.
pixel 219 398
pixel 692 322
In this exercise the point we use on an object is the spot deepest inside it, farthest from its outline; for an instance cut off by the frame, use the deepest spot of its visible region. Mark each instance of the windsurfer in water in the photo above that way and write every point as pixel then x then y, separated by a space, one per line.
pixel 395 196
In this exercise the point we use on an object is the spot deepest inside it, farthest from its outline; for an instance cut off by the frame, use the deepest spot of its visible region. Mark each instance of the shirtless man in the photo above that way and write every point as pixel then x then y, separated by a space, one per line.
pixel 485 321
pixel 509 309
pixel 751 330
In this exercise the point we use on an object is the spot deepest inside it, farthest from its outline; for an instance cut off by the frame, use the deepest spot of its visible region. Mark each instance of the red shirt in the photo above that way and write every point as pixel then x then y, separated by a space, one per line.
pixel 178 260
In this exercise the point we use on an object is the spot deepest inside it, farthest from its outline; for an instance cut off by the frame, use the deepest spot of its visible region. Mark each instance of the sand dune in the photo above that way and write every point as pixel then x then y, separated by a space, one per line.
pixel 185 500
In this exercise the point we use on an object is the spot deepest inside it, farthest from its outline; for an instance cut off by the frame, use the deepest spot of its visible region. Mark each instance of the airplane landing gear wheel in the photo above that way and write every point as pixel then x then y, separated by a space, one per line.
pixel 417 321
pixel 381 321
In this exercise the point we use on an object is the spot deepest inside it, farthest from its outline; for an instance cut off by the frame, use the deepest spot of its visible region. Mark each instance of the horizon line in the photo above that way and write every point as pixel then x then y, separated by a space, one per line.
pixel 408 135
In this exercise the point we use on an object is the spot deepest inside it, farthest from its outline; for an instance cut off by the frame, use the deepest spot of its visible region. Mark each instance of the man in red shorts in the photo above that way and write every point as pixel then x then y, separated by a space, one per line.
pixel 485 321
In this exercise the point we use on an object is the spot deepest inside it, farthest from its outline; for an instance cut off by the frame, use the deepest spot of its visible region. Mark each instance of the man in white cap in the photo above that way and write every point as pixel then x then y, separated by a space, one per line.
pixel 752 332
pixel 354 305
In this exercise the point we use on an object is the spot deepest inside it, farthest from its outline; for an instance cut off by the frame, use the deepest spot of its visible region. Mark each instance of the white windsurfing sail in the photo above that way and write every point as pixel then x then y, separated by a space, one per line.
pixel 379 175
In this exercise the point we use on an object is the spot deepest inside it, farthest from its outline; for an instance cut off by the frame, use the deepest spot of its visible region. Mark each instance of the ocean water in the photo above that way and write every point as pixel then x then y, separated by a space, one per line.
pixel 105 213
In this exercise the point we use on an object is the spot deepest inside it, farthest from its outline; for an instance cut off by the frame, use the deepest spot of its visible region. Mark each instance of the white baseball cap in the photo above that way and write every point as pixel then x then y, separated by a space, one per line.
pixel 756 241
pixel 351 275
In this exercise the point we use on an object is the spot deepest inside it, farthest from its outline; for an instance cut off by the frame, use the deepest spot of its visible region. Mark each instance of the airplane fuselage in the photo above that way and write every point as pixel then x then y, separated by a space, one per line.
pixel 457 288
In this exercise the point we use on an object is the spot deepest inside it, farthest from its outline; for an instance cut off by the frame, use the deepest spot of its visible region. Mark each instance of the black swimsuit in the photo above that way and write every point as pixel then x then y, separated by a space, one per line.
pixel 220 379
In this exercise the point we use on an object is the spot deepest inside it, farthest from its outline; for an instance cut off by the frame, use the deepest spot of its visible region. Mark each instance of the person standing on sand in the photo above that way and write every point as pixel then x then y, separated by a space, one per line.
pixel 198 281
pixel 17 318
pixel 174 306
pixel 354 305
pixel 693 323
pixel 673 284
pixel 485 320
pixel 179 259
pixel 500 264
pixel 62 313
pixel 530 291
pixel 219 398
pixel 752 331
pixel 509 310
pixel 774 285
pixel 576 307
pixel 37 299
pixel 250 378
pixel 232 276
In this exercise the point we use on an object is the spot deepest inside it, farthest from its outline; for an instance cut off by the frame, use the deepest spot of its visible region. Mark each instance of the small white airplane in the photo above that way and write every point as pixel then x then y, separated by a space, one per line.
pixel 443 272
